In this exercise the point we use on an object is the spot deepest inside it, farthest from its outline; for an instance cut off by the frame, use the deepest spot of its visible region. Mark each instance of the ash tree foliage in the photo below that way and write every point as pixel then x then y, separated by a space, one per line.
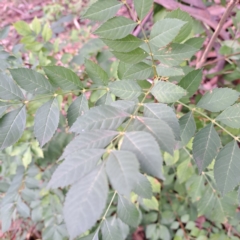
pixel 127 141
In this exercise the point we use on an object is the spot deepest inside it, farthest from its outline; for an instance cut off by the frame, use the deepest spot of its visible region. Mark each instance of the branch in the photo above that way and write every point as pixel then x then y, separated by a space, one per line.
pixel 217 31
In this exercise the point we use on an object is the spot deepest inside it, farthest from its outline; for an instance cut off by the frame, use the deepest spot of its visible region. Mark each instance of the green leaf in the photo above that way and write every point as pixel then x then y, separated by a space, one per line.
pixel 191 82
pixel 116 28
pixel 184 171
pixel 132 57
pixel 125 105
pixel 125 44
pixel 187 128
pixel 110 230
pixel 36 25
pixel 77 108
pixel 8 89
pixel 125 89
pixel 122 68
pixel 159 129
pixel 151 204
pixel 85 202
pixel 206 145
pixel 165 113
pixel 106 99
pixel 31 81
pixel 138 71
pixel 46 32
pixel 166 71
pixel 195 42
pixel 146 149
pixel 227 167
pixel 87 140
pixel 76 166
pixel 122 169
pixel 23 209
pixel 142 7
pixel 128 212
pixel 218 99
pixel 12 126
pixel 175 54
pixel 96 73
pixel 167 92
pixel 46 121
pixel 102 10
pixel 124 228
pixel 187 28
pixel 4 32
pixel 63 77
pixel 142 187
pixel 22 28
pixel 231 116
pixel 3 107
pixel 101 117
pixel 164 31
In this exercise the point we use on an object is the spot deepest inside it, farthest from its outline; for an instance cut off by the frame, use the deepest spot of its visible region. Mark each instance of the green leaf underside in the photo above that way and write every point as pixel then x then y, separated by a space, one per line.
pixel 164 31
pixel 165 113
pixel 31 81
pixel 3 107
pixel 86 140
pixel 187 128
pixel 231 116
pixel 106 99
pixel 218 99
pixel 75 166
pixel 77 108
pixel 142 187
pixel 206 145
pixel 187 28
pixel 8 89
pixel 191 82
pixel 125 44
pixel 138 71
pixel 122 169
pixel 96 73
pixel 146 149
pixel 122 68
pixel 12 126
pixel 125 89
pixel 116 28
pixel 142 7
pixel 101 117
pixel 125 105
pixel 167 92
pixel 111 230
pixel 128 212
pixel 102 10
pixel 62 77
pixel 166 71
pixel 226 168
pixel 175 54
pixel 159 129
pixel 85 202
pixel 46 121
pixel 132 57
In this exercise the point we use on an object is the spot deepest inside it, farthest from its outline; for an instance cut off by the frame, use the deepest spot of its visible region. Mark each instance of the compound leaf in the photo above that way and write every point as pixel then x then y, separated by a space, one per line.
pixel 12 126
pixel 227 167
pixel 231 116
pixel 128 212
pixel 76 166
pixel 77 108
pixel 8 89
pixel 206 145
pixel 116 28
pixel 122 169
pixel 125 89
pixel 167 92
pixel 102 10
pixel 164 31
pixel 46 121
pixel 100 117
pixel 85 202
pixel 146 149
pixel 62 77
pixel 218 99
